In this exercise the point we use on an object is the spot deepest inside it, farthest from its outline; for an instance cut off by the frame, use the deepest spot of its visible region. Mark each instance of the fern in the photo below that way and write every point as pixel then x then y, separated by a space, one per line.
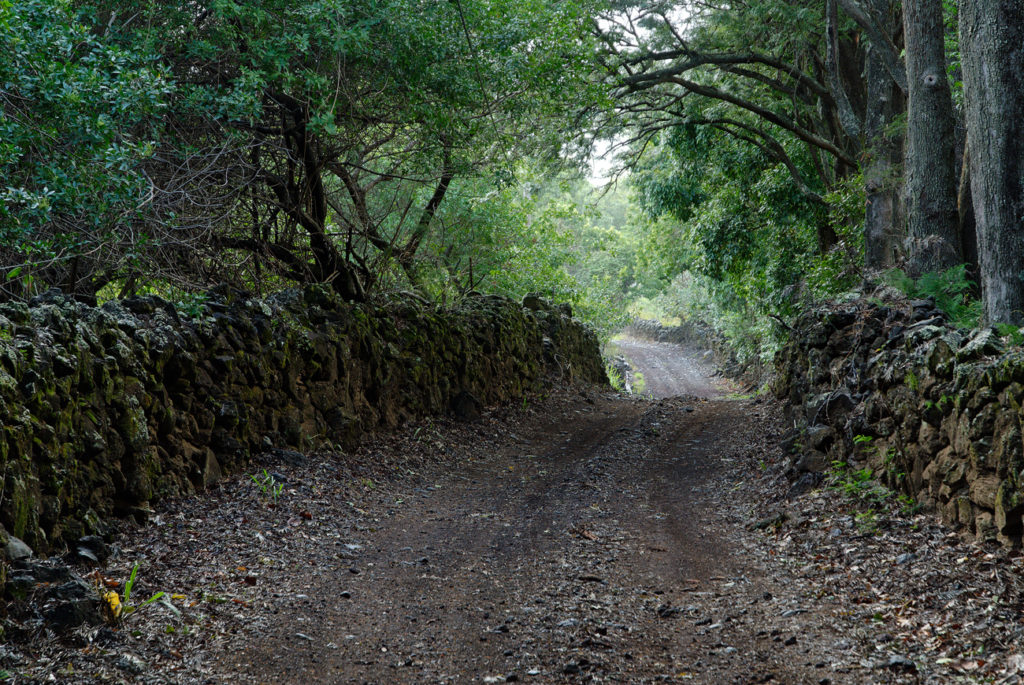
pixel 951 290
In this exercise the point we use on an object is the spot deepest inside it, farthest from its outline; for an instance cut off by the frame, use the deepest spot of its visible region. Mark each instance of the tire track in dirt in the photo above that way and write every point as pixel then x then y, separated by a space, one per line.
pixel 669 370
pixel 586 552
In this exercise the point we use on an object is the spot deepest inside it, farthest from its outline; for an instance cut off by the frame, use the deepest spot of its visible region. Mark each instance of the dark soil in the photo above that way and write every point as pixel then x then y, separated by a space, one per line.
pixel 583 537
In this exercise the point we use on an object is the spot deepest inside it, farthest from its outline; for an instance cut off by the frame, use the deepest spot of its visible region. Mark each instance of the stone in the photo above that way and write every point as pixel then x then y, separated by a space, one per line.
pixel 466 407
pixel 534 302
pixel 930 438
pixel 985 527
pixel 72 604
pixel 983 491
pixel 1009 506
pixel 93 548
pixel 820 437
pixel 983 343
pixel 955 475
pixel 812 461
pixel 804 484
pixel 15 549
pixel 789 440
pixel 965 511
pixel 211 469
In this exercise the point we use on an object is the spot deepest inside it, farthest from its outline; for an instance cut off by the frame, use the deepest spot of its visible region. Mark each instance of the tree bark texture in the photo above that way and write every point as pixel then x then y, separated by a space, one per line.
pixel 883 223
pixel 992 47
pixel 933 225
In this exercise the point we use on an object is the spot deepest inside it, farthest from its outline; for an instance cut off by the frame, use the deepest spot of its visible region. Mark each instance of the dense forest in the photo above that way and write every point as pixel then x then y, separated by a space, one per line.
pixel 754 156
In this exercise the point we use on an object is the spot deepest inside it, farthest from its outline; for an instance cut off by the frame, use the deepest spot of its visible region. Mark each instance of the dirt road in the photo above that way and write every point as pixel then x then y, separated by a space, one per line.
pixel 574 552
pixel 584 537
pixel 593 544
pixel 669 370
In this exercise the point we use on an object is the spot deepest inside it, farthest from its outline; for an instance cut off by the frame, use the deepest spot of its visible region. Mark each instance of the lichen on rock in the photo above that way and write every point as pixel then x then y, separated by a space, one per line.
pixel 942 406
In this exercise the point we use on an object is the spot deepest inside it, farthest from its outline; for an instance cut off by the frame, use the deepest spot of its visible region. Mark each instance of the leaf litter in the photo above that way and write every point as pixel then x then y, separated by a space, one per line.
pixel 651 567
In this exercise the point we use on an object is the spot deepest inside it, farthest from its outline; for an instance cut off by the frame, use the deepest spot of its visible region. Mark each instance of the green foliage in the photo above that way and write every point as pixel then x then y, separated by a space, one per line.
pixel 639 383
pixel 340 127
pixel 952 291
pixel 615 378
pixel 871 496
pixel 857 484
pixel 1013 333
pixel 737 239
pixel 192 304
pixel 121 609
pixel 862 439
pixel 911 380
pixel 532 235
pixel 269 487
pixel 77 120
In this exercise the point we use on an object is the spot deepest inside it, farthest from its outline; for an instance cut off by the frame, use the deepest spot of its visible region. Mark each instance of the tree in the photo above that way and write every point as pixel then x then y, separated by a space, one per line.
pixel 77 121
pixel 773 74
pixel 336 129
pixel 992 48
pixel 933 221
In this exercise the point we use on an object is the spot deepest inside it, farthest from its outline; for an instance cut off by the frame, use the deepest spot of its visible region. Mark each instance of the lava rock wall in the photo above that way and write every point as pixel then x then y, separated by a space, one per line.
pixel 106 410
pixel 934 411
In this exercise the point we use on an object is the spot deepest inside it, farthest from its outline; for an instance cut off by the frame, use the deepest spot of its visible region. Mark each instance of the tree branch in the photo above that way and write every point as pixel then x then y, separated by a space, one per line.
pixel 847 117
pixel 766 114
pixel 880 40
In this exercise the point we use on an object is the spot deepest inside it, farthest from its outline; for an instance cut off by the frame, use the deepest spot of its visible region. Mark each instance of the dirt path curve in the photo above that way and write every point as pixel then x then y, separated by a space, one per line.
pixel 585 537
pixel 592 546
pixel 668 369
pixel 581 552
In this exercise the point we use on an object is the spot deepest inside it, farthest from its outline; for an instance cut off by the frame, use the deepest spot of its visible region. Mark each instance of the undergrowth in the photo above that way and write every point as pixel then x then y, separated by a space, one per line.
pixel 870 496
pixel 952 291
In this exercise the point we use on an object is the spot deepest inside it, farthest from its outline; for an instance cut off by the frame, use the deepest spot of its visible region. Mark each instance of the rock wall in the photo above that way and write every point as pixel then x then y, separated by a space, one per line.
pixel 105 410
pixel 934 411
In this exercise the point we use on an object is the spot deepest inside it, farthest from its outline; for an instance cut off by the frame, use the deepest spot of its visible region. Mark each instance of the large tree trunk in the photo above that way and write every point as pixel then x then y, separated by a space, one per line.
pixel 933 224
pixel 992 46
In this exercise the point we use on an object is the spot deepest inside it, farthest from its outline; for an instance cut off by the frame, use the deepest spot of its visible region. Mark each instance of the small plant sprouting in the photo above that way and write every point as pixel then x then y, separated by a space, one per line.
pixel 118 609
pixel 908 505
pixel 1010 331
pixel 639 383
pixel 269 486
pixel 911 381
pixel 857 484
pixel 615 378
pixel 862 439
pixel 193 305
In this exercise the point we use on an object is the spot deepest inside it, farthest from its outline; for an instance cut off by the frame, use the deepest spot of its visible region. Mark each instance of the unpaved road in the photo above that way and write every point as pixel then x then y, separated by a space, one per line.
pixel 669 370
pixel 584 537
pixel 594 546
pixel 575 553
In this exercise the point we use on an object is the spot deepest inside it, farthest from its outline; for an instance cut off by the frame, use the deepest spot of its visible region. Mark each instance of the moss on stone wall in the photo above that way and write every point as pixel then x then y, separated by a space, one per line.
pixel 934 411
pixel 105 410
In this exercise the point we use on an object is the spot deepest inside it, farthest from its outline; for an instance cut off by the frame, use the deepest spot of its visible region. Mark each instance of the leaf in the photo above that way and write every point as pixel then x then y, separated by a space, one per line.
pixel 112 604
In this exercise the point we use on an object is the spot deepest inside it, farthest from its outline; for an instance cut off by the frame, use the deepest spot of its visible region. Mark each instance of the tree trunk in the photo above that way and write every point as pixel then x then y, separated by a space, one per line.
pixel 883 227
pixel 992 46
pixel 933 227
pixel 968 229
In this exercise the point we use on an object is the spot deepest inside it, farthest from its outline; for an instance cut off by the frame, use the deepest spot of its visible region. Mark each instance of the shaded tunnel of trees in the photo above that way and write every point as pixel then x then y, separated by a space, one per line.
pixel 765 153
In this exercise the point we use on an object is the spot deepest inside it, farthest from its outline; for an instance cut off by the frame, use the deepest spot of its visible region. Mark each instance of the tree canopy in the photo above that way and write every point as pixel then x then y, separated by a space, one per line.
pixel 769 152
